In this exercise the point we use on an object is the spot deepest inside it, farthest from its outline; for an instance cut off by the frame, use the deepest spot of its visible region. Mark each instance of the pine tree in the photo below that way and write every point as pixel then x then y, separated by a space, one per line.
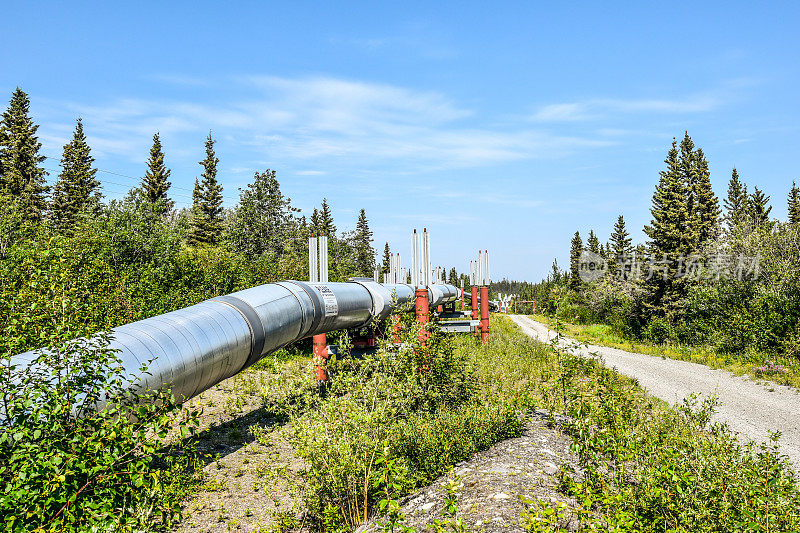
pixel 621 240
pixel 621 248
pixel 207 205
pixel 702 206
pixel 689 174
pixel 315 222
pixel 668 238
pixel 387 258
pixel 326 225
pixel 758 207
pixel 196 231
pixel 736 203
pixel 263 222
pixel 576 248
pixel 21 177
pixel 592 243
pixel 77 190
pixel 794 204
pixel 452 279
pixel 155 184
pixel 706 205
pixel 365 254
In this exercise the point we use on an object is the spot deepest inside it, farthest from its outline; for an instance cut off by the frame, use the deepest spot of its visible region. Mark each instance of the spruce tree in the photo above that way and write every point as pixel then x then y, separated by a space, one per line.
pixel 326 225
pixel 758 207
pixel 387 258
pixel 702 206
pixel 736 203
pixel 77 190
pixel 207 196
pixel 621 248
pixel 706 205
pixel 452 279
pixel 576 248
pixel 315 226
pixel 196 229
pixel 668 238
pixel 794 204
pixel 155 184
pixel 365 254
pixel 689 173
pixel 21 177
pixel 592 243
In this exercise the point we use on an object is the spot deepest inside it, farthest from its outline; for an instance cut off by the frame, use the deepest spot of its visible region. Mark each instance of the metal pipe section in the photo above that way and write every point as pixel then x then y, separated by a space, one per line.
pixel 194 348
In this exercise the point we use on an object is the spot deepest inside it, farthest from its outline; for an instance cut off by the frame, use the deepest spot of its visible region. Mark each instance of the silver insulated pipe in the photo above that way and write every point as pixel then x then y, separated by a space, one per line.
pixel 194 348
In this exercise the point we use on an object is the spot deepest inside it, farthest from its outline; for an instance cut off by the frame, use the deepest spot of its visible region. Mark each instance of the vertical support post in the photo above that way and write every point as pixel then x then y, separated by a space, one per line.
pixel 462 294
pixel 422 309
pixel 484 314
pixel 320 341
pixel 320 344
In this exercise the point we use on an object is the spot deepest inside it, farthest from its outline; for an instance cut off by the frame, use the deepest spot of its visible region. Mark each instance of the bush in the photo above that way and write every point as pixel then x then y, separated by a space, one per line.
pixel 391 422
pixel 79 451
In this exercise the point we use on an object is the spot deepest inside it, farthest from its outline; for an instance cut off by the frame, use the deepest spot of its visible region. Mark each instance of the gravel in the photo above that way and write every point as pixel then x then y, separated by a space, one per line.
pixel 750 409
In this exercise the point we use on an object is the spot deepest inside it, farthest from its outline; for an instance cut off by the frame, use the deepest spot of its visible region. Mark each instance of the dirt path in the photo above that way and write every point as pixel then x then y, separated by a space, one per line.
pixel 751 409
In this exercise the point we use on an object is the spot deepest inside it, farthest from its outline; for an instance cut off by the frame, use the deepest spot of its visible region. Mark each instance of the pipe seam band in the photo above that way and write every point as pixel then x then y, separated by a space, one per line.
pixel 257 334
pixel 316 299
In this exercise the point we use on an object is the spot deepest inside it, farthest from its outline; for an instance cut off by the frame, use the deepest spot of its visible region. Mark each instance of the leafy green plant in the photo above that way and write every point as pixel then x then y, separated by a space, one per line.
pixel 79 450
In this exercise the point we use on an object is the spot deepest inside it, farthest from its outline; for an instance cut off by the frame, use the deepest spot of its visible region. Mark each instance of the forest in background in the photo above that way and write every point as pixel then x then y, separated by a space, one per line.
pixel 725 277
pixel 74 263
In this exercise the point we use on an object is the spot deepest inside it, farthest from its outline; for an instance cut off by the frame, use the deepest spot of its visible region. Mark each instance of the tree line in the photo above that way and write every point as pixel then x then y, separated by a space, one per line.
pixel 716 273
pixel 129 258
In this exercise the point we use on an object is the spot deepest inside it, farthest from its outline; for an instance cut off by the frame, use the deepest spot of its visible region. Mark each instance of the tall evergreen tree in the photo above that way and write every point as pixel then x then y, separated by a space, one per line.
pixel 593 243
pixel 207 208
pixel 452 279
pixel 706 205
pixel 621 249
pixel 365 254
pixel 387 258
pixel 621 240
pixel 155 183
pixel 326 225
pixel 794 204
pixel 315 222
pixel 77 190
pixel 668 238
pixel 264 221
pixel 689 174
pixel 21 176
pixel 736 203
pixel 758 207
pixel 702 206
pixel 576 247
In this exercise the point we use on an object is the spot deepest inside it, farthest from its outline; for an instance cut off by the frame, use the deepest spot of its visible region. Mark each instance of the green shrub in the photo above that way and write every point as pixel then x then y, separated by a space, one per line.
pixel 393 421
pixel 79 452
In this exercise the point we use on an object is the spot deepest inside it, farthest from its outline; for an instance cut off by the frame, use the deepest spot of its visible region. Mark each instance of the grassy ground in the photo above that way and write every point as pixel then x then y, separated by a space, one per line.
pixel 739 364
pixel 644 466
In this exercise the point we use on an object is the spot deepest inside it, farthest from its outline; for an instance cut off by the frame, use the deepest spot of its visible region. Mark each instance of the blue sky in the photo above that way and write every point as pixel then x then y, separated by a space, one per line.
pixel 505 126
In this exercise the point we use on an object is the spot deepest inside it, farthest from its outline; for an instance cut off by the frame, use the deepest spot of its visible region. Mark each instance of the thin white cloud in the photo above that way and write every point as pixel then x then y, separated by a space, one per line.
pixel 317 118
pixel 602 108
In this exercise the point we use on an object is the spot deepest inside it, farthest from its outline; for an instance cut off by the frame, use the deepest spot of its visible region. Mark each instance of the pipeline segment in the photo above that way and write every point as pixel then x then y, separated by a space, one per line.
pixel 194 348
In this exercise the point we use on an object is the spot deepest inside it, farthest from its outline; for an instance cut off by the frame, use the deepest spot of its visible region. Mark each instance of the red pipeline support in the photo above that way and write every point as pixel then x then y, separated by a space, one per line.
pixel 462 298
pixel 422 308
pixel 484 315
pixel 320 347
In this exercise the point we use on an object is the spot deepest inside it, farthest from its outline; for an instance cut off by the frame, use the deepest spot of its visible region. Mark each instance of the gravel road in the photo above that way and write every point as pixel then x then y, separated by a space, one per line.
pixel 750 409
